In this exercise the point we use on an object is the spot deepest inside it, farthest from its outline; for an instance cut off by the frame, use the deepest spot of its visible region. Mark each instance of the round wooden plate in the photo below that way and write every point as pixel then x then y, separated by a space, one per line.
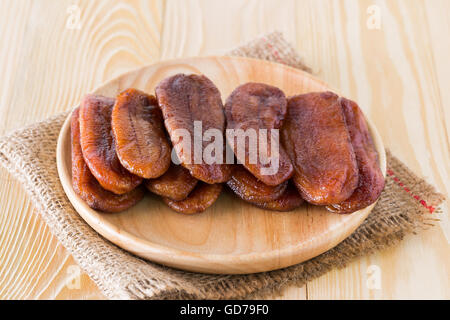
pixel 231 236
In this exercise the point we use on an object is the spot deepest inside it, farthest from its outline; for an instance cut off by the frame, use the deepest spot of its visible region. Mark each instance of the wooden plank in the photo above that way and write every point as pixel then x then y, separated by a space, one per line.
pixel 391 72
pixel 47 64
pixel 438 17
pixel 202 27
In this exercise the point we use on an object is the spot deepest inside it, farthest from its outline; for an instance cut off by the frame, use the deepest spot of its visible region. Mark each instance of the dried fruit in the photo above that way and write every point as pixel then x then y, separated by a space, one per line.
pixel 183 100
pixel 250 189
pixel 250 108
pixel 175 184
pixel 201 198
pixel 289 200
pixel 141 143
pixel 371 180
pixel 87 187
pixel 98 146
pixel 318 142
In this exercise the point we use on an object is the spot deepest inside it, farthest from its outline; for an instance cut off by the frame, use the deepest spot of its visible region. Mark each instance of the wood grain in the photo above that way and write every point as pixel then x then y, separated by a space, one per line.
pixel 399 74
pixel 46 68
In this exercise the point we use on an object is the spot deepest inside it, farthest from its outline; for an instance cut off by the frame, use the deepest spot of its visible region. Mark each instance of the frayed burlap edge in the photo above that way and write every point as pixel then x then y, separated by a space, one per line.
pixel 29 154
pixel 271 47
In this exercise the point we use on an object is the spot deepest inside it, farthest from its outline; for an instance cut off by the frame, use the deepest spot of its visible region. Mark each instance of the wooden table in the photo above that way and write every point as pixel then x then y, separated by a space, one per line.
pixel 390 56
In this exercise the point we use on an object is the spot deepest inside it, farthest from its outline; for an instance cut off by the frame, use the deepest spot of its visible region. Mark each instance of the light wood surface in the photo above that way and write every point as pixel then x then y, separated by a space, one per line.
pixel 399 73
pixel 231 236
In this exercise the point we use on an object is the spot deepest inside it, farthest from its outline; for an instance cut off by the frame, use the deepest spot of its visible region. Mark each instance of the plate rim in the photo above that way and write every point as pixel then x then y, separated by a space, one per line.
pixel 184 259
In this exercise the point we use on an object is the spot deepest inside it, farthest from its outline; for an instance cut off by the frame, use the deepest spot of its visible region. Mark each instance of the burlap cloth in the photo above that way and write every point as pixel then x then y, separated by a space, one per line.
pixel 406 205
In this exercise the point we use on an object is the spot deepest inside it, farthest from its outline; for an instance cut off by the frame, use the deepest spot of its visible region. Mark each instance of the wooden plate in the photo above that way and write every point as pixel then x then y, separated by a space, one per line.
pixel 231 236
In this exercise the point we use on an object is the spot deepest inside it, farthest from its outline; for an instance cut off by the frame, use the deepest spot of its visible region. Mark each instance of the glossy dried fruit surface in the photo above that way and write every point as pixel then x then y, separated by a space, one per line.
pixel 98 146
pixel 184 99
pixel 317 140
pixel 289 200
pixel 175 184
pixel 200 199
pixel 256 106
pixel 249 188
pixel 87 187
pixel 371 180
pixel 141 142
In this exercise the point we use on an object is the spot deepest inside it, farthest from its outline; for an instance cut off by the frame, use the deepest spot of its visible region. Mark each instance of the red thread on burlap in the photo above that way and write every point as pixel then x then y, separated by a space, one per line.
pixel 275 51
pixel 401 184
